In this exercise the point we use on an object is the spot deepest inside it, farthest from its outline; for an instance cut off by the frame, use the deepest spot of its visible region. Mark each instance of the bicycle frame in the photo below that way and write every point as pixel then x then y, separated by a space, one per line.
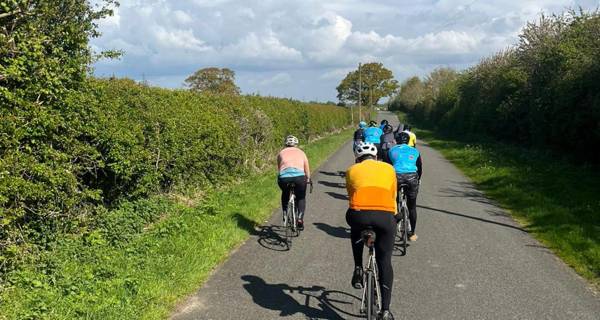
pixel 371 269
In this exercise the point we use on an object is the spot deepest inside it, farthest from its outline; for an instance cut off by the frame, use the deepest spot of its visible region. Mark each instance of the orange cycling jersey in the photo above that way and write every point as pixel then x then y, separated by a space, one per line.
pixel 371 185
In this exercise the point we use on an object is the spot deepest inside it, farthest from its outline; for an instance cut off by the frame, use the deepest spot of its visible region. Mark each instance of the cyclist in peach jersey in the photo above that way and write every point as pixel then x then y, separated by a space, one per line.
pixel 293 168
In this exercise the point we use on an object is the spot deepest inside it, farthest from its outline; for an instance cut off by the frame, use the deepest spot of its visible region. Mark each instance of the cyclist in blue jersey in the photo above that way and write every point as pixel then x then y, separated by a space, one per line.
pixel 383 123
pixel 408 165
pixel 373 135
pixel 359 134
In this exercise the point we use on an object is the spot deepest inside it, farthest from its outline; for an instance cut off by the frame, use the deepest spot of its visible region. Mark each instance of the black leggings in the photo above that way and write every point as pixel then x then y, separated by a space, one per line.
pixel 299 191
pixel 412 180
pixel 384 225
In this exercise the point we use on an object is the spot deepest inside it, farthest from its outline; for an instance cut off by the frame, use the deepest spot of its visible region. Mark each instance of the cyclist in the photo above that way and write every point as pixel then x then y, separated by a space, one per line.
pixel 373 135
pixel 383 123
pixel 359 134
pixel 387 142
pixel 293 168
pixel 409 169
pixel 413 137
pixel 372 192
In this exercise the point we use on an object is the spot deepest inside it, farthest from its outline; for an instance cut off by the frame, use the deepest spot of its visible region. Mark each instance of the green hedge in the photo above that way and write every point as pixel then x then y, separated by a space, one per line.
pixel 118 140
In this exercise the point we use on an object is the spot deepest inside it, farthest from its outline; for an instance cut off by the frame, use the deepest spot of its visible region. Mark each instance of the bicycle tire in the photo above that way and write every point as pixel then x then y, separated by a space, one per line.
pixel 404 230
pixel 289 229
pixel 371 308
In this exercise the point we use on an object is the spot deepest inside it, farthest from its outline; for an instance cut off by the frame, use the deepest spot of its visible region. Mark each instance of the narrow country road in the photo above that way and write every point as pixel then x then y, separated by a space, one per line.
pixel 471 261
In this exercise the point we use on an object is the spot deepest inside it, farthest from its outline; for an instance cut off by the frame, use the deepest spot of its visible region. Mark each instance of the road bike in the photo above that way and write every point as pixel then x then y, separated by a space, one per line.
pixel 371 297
pixel 403 227
pixel 290 217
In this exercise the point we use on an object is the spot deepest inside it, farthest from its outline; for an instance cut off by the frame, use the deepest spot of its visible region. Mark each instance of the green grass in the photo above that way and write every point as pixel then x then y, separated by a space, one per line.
pixel 556 201
pixel 144 275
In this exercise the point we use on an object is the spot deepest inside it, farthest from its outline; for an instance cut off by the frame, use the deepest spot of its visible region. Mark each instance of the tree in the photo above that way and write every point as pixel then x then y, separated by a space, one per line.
pixel 213 80
pixel 375 81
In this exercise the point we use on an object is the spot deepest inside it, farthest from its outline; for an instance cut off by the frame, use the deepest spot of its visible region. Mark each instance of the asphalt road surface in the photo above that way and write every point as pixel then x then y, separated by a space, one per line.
pixel 471 261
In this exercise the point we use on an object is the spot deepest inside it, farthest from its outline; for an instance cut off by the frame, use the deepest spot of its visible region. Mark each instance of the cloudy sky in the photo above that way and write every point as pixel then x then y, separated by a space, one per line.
pixel 303 48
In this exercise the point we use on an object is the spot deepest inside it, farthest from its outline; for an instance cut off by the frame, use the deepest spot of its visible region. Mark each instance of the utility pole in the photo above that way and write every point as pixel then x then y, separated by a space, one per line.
pixel 359 93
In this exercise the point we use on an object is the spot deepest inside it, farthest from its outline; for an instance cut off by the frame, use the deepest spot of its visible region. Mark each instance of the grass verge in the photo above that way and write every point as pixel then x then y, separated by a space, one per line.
pixel 143 276
pixel 556 201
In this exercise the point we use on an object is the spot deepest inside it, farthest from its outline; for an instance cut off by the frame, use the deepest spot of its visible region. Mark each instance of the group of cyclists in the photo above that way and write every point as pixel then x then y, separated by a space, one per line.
pixel 384 159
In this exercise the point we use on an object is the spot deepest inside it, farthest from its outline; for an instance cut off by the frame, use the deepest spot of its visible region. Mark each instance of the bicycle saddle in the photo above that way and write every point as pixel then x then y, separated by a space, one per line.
pixel 368 237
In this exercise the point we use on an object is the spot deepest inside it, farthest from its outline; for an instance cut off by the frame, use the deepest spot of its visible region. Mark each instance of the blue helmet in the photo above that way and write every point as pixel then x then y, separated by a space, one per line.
pixel 362 124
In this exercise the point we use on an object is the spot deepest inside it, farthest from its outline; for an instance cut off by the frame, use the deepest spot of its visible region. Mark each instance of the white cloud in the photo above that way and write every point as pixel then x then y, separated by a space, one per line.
pixel 297 46
pixel 278 79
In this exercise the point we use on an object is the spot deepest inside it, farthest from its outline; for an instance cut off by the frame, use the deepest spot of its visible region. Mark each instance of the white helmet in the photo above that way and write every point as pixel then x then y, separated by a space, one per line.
pixel 365 148
pixel 291 141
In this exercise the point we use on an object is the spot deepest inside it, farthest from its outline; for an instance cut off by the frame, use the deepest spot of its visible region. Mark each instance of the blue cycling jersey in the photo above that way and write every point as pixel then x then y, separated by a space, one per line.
pixel 373 135
pixel 404 158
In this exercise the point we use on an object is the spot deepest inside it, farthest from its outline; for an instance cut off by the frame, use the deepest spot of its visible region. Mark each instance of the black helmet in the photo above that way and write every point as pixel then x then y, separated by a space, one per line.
pixel 402 138
pixel 372 123
pixel 407 127
pixel 384 122
pixel 388 128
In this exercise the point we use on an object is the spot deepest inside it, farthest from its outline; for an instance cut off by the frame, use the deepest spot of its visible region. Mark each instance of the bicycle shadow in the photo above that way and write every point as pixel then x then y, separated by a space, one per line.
pixel 271 237
pixel 399 251
pixel 279 297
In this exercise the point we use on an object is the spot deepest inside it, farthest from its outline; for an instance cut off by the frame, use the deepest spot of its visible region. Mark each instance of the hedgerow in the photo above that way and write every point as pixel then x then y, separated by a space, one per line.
pixel 136 141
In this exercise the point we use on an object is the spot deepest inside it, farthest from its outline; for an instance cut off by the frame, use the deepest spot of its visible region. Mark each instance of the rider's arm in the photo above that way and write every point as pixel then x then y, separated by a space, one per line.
pixel 306 168
pixel 419 167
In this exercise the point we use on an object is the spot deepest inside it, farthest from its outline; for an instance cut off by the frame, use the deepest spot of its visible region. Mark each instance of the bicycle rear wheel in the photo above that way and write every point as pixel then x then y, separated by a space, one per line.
pixel 371 299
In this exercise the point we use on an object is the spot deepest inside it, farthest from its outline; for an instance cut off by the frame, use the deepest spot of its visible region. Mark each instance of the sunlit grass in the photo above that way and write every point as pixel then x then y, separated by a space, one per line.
pixel 557 201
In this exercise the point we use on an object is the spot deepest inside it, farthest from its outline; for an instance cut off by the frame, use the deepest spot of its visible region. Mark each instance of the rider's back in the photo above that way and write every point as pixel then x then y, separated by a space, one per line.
pixel 404 158
pixel 373 135
pixel 371 185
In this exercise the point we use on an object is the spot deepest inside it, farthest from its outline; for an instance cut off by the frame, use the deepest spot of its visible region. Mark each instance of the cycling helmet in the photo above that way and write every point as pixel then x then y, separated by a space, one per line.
pixel 388 128
pixel 407 127
pixel 362 124
pixel 291 141
pixel 403 138
pixel 384 122
pixel 365 148
pixel 372 123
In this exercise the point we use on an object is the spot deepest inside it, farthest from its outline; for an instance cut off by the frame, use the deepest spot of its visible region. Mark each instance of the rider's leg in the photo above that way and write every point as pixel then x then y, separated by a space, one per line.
pixel 285 192
pixel 300 192
pixel 412 203
pixel 354 220
pixel 385 228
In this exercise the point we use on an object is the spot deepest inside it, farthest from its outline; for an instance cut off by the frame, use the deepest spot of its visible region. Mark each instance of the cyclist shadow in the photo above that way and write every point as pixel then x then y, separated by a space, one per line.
pixel 319 303
pixel 333 174
pixel 271 237
pixel 338 232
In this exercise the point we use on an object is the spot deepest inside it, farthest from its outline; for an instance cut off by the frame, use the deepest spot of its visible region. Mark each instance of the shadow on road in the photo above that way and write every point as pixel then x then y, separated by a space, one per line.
pixel 331 173
pixel 465 190
pixel 318 303
pixel 339 232
pixel 271 237
pixel 337 195
pixel 473 218
pixel 333 184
